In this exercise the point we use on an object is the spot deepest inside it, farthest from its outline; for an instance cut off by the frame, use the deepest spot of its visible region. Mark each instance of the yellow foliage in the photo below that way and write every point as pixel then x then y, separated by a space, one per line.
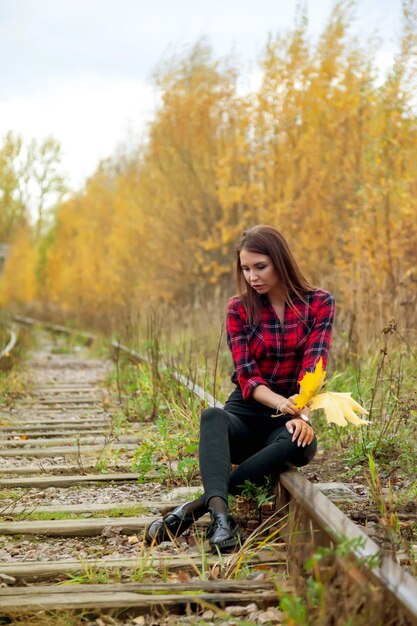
pixel 317 150
pixel 339 408
pixel 17 283
pixel 310 384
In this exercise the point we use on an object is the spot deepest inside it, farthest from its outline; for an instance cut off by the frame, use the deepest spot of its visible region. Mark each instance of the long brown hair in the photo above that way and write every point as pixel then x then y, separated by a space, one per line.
pixel 267 240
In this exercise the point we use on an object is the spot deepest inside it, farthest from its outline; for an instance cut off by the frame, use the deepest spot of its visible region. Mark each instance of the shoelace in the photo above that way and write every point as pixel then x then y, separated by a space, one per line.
pixel 217 523
pixel 213 527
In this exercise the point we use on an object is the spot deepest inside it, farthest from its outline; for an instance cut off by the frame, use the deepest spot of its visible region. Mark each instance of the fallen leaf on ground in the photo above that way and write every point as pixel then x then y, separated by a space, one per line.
pixel 183 577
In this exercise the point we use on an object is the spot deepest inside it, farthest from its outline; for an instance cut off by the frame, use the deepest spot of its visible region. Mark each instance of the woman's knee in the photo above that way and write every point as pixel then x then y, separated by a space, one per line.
pixel 298 456
pixel 213 416
pixel 305 455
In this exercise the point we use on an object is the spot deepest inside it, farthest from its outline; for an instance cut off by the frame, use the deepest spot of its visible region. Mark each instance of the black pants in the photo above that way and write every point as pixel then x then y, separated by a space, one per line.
pixel 244 433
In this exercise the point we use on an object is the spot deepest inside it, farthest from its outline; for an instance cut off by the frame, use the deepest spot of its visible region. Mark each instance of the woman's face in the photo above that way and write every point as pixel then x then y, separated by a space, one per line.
pixel 260 272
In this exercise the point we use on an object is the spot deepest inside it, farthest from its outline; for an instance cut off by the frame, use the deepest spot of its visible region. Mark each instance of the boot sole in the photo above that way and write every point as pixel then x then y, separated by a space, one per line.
pixel 227 544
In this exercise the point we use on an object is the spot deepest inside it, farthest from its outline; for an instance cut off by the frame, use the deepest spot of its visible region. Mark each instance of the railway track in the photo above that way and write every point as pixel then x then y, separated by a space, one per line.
pixel 73 516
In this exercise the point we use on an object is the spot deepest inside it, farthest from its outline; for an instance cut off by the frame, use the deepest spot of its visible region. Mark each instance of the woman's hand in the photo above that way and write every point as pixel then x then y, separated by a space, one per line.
pixel 299 429
pixel 287 406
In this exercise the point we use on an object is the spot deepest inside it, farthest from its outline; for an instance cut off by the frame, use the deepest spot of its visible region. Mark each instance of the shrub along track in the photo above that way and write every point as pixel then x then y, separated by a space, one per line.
pixel 62 518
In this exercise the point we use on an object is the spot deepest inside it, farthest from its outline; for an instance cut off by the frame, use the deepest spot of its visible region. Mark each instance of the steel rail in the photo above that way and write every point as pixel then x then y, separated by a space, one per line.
pixel 56 328
pixel 9 347
pixel 332 523
pixel 5 356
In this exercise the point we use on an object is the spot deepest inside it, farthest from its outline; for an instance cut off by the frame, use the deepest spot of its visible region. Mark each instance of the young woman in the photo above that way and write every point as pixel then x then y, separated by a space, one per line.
pixel 277 329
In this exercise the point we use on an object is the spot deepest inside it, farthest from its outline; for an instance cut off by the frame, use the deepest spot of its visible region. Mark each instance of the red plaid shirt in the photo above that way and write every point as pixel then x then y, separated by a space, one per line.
pixel 265 355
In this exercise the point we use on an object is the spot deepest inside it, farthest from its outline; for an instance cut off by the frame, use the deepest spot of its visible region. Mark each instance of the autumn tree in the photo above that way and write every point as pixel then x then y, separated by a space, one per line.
pixel 324 149
pixel 13 211
pixel 31 183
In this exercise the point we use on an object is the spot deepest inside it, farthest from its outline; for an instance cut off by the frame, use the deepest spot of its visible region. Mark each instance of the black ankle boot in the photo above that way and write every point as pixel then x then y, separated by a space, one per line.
pixel 170 526
pixel 223 532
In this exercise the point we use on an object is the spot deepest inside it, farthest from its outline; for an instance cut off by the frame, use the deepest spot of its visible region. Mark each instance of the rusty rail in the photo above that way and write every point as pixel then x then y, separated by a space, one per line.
pixel 5 354
pixel 55 328
pixel 325 520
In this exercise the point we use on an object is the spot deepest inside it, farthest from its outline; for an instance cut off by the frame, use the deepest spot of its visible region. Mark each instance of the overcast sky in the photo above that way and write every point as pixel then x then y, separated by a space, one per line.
pixel 82 69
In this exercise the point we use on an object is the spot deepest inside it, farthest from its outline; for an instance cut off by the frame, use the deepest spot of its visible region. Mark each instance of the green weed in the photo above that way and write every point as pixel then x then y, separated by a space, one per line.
pixel 169 455
pixel 128 511
pixel 385 383
pixel 93 574
pixel 12 385
pixel 389 519
pixel 326 595
pixel 260 494
pixel 61 350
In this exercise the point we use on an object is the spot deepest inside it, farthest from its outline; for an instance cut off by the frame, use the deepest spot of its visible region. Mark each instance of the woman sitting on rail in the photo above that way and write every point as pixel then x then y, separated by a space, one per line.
pixel 277 329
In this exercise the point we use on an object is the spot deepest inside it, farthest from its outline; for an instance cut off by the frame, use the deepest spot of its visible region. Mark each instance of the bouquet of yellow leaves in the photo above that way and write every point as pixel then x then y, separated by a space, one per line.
pixel 339 408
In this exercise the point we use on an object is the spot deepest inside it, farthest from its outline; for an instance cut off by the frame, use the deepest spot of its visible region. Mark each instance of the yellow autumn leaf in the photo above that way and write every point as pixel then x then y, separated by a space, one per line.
pixel 310 384
pixel 339 408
